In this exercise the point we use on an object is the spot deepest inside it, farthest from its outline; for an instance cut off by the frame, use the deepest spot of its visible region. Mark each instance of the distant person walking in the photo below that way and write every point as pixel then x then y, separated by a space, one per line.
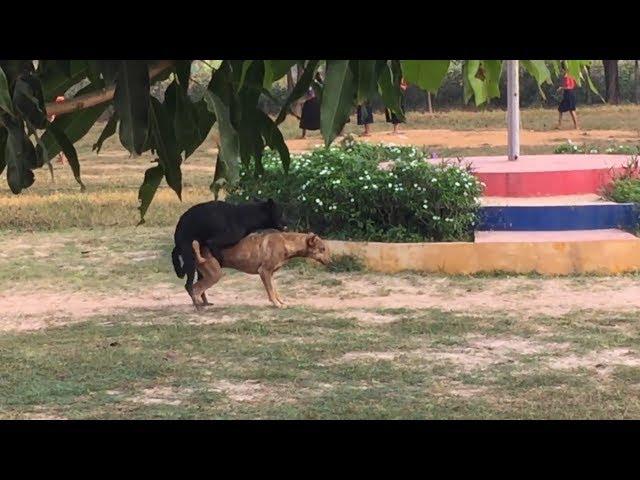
pixel 392 117
pixel 310 117
pixel 365 117
pixel 568 103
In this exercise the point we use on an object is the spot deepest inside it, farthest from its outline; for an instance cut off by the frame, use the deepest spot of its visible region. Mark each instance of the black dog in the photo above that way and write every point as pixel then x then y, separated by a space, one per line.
pixel 219 225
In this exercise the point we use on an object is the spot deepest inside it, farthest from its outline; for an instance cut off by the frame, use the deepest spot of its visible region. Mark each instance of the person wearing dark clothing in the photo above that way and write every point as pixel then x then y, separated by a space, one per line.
pixel 310 118
pixel 365 117
pixel 568 103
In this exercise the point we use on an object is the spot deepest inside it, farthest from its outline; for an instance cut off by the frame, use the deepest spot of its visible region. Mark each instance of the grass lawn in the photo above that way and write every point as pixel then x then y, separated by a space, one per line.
pixel 94 323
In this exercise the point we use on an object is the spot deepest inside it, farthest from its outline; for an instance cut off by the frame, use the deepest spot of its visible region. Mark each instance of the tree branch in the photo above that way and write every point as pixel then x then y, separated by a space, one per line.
pixel 96 98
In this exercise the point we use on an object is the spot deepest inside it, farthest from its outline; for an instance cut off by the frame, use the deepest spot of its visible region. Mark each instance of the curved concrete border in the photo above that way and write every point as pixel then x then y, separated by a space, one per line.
pixel 551 258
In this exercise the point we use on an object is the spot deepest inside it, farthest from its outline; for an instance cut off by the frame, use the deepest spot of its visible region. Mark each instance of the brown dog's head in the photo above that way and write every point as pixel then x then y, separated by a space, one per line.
pixel 317 249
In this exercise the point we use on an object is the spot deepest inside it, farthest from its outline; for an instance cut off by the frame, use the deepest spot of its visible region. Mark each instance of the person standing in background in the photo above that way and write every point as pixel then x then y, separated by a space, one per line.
pixel 568 103
pixel 365 117
pixel 310 117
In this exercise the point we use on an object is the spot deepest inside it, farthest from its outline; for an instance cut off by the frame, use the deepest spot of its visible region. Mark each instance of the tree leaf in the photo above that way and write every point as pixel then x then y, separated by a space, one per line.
pixel 426 74
pixel 131 101
pixel 74 125
pixel 69 151
pixel 152 178
pixel 5 94
pixel 41 154
pixel 301 87
pixel 108 131
pixel 109 70
pixel 29 101
pixel 249 135
pixel 273 138
pixel 575 69
pixel 204 122
pixel 337 99
pixel 245 66
pixel 182 69
pixel 55 82
pixel 219 177
pixel 365 79
pixel 472 85
pixel 15 156
pixel 274 70
pixel 3 146
pixel 219 98
pixel 165 145
pixel 391 95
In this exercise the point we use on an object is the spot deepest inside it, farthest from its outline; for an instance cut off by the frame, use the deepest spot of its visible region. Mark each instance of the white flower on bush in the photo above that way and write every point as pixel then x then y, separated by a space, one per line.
pixel 435 217
pixel 434 180
pixel 457 184
pixel 319 202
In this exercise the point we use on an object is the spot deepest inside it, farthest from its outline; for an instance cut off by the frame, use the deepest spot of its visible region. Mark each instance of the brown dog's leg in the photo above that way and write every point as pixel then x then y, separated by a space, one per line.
pixel 209 272
pixel 205 300
pixel 282 302
pixel 265 276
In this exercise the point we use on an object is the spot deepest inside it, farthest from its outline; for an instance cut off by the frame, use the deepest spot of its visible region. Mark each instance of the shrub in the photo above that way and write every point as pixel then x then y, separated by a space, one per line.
pixel 625 187
pixel 570 147
pixel 371 192
pixel 345 263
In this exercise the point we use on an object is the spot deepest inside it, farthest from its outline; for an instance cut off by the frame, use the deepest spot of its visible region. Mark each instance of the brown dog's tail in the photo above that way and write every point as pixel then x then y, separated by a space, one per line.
pixel 177 264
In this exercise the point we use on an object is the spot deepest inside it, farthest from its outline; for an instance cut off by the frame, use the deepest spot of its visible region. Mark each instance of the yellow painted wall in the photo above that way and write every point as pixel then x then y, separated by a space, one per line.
pixel 552 258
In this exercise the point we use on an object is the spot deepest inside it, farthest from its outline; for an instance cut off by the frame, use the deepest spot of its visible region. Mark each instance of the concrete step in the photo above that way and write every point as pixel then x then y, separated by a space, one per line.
pixel 558 200
pixel 581 214
pixel 556 236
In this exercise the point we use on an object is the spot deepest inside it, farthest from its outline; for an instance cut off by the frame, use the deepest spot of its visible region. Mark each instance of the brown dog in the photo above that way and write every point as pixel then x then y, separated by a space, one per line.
pixel 258 253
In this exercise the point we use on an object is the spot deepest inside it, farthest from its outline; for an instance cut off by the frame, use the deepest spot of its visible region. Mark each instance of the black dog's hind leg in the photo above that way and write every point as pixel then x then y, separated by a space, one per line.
pixel 189 267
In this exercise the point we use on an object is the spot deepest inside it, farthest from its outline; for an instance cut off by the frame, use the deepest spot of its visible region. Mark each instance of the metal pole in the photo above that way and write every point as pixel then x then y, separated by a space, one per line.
pixel 513 110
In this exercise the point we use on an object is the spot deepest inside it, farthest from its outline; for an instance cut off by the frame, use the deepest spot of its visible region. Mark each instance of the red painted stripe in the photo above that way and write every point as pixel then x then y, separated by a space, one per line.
pixel 544 184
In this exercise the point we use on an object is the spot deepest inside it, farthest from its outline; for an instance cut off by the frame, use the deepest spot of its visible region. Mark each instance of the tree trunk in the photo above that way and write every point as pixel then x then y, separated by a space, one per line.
pixel 429 102
pixel 587 89
pixel 636 82
pixel 612 82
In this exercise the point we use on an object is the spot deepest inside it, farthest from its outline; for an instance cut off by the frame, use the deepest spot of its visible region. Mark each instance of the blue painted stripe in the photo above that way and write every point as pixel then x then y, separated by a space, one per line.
pixel 625 216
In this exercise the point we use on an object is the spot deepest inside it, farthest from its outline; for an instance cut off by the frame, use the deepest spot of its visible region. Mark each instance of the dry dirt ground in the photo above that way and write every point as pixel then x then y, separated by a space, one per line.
pixel 452 139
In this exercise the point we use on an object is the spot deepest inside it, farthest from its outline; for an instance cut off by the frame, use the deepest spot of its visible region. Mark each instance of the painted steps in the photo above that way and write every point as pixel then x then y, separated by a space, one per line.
pixel 545 175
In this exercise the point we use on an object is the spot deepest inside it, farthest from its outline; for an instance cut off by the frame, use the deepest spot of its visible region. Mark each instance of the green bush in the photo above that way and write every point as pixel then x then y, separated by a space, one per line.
pixel 570 147
pixel 625 187
pixel 360 191
pixel 624 190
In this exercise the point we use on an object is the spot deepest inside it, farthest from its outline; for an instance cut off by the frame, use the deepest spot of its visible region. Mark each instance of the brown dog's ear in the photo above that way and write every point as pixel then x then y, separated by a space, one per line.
pixel 312 240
